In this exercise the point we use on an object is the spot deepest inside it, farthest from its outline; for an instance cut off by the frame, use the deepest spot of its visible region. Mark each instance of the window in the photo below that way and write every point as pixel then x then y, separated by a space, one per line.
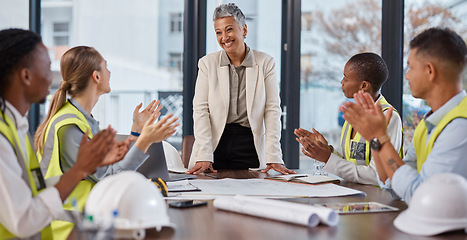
pixel 335 31
pixel 61 34
pixel 420 15
pixel 306 21
pixel 176 23
pixel 14 14
pixel 175 61
pixel 263 20
pixel 134 39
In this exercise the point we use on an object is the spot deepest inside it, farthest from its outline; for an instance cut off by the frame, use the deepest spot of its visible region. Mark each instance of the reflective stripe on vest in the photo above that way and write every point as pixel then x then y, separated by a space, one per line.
pixel 67 115
pixel 32 174
pixel 421 146
pixel 357 150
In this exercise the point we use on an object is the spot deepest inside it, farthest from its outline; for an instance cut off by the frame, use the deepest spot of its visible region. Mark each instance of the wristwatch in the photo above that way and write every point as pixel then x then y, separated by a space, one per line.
pixel 376 143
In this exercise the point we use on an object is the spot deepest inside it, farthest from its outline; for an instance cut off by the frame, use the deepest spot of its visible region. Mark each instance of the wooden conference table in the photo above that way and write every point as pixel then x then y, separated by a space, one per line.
pixel 208 223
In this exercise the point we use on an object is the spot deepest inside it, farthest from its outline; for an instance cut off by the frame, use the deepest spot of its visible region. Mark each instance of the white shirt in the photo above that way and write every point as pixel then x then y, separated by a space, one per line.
pixel 347 170
pixel 22 214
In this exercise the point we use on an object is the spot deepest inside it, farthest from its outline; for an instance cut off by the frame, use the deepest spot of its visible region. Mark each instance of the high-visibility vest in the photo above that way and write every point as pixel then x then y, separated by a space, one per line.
pixel 50 165
pixel 357 150
pixel 422 147
pixel 32 174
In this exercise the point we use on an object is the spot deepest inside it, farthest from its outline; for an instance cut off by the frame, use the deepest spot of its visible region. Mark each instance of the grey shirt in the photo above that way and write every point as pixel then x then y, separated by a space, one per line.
pixel 237 82
pixel 69 149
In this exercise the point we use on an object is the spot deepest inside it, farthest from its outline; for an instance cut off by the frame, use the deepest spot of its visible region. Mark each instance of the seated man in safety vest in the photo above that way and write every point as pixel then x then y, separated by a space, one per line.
pixel 353 161
pixel 27 205
pixel 436 63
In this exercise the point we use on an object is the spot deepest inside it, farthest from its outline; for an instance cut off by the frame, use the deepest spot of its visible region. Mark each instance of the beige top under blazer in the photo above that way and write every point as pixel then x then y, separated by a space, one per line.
pixel 211 106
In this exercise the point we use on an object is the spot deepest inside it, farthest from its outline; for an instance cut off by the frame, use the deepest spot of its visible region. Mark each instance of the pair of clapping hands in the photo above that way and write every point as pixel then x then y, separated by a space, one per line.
pixel 107 151
pixel 364 115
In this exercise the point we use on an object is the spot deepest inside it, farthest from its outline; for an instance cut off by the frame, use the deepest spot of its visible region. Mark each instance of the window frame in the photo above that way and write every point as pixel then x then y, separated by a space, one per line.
pixel 194 31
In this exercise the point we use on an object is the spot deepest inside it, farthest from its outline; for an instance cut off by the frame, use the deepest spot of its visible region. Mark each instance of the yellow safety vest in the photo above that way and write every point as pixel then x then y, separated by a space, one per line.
pixel 422 147
pixel 357 150
pixel 50 165
pixel 31 171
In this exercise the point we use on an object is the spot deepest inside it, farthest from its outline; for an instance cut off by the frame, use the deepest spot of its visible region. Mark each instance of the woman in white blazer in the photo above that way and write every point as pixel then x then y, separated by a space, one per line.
pixel 236 107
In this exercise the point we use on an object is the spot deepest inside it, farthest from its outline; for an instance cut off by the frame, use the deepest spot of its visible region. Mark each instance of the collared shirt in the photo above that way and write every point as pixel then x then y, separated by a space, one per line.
pixel 237 82
pixel 69 146
pixel 448 153
pixel 363 174
pixel 20 213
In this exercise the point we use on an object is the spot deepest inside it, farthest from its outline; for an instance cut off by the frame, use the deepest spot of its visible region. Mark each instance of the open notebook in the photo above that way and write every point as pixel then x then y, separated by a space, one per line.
pixel 304 178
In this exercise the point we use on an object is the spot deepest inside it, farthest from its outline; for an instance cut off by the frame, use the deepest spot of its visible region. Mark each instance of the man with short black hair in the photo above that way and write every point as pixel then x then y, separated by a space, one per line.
pixel 27 205
pixel 436 63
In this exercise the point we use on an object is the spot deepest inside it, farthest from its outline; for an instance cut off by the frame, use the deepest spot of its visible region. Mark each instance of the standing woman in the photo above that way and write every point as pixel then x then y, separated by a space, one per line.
pixel 85 79
pixel 236 107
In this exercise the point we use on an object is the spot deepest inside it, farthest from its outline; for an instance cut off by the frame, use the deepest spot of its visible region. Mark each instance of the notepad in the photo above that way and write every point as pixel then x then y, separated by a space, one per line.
pixel 181 186
pixel 304 178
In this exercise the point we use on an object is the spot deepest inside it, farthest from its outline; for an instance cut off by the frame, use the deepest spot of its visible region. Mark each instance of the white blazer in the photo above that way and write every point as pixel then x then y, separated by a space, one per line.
pixel 211 106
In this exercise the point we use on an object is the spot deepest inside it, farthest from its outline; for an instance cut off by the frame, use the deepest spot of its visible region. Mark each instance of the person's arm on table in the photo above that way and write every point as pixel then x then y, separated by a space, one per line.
pixel 272 115
pixel 202 122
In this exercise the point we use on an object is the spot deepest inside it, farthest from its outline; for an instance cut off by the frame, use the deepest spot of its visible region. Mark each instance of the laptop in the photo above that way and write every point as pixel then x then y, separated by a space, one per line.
pixel 156 166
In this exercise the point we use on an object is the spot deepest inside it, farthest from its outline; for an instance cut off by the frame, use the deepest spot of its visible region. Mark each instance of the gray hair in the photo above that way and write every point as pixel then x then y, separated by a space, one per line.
pixel 229 10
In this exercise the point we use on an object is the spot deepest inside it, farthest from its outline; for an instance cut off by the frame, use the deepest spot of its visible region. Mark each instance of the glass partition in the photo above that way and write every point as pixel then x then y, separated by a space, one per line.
pixel 420 15
pixel 332 32
pixel 142 41
pixel 263 20
pixel 14 14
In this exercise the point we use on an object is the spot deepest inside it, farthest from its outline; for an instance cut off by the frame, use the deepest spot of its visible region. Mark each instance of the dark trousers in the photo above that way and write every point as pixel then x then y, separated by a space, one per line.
pixel 236 149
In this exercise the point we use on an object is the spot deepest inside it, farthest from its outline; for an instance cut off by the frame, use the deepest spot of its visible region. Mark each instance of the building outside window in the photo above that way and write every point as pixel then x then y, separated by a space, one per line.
pixel 176 22
pixel 175 61
pixel 306 21
pixel 61 33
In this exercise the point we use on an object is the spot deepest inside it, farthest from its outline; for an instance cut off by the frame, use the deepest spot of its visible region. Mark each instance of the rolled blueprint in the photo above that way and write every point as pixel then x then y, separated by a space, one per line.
pixel 297 213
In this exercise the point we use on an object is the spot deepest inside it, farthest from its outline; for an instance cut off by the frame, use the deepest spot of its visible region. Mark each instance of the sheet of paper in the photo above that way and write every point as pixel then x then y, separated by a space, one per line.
pixel 211 189
pixel 181 186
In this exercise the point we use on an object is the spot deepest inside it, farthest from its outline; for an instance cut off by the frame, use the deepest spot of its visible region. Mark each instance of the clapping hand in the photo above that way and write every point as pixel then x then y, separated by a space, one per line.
pixel 118 151
pixel 139 118
pixel 366 117
pixel 92 153
pixel 314 145
pixel 156 131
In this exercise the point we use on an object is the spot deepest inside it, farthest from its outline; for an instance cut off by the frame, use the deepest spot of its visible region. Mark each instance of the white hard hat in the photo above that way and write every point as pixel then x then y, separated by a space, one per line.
pixel 173 159
pixel 139 203
pixel 438 205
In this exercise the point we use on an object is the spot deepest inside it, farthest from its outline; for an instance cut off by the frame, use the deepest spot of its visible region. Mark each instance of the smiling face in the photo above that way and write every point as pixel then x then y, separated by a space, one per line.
pixel 40 75
pixel 416 74
pixel 230 35
pixel 350 83
pixel 104 75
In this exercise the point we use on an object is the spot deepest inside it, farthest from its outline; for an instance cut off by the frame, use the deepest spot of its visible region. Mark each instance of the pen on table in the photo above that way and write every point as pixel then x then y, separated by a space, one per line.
pixel 210 175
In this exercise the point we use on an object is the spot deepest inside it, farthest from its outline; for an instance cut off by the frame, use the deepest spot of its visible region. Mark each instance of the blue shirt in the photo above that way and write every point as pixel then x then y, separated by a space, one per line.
pixel 448 153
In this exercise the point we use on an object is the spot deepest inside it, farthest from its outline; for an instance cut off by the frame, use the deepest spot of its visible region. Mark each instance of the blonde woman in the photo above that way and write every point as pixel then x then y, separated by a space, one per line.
pixel 85 79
